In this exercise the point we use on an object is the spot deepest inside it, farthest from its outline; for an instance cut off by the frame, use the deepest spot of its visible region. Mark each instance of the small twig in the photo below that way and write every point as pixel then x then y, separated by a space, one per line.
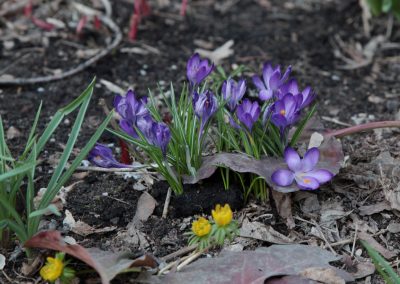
pixel 6 276
pixel 354 241
pixel 363 127
pixel 166 204
pixel 334 120
pixel 116 199
pixel 110 170
pixel 190 259
pixel 172 264
pixel 180 252
pixel 45 79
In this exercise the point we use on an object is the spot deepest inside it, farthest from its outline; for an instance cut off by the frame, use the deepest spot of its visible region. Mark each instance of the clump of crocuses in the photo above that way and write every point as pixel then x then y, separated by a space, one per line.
pixel 218 113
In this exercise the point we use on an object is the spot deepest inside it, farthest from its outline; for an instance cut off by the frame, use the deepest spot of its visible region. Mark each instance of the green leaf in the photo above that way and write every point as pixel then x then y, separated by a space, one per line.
pixel 386 5
pixel 51 208
pixel 382 265
pixel 375 6
pixel 17 171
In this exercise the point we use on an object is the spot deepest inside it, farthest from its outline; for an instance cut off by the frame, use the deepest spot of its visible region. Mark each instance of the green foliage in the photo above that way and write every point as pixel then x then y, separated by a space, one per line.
pixel 184 153
pixel 384 6
pixel 382 266
pixel 17 176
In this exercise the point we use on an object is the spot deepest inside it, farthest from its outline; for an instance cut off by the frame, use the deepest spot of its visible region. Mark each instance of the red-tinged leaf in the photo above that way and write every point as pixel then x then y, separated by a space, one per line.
pixel 331 157
pixel 28 9
pixel 183 8
pixel 145 8
pixel 135 19
pixel 125 156
pixel 254 266
pixel 42 24
pixel 81 24
pixel 97 22
pixel 107 264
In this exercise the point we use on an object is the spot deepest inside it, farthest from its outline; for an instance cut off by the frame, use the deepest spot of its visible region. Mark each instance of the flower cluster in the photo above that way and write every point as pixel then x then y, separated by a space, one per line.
pixel 222 227
pixel 56 268
pixel 257 127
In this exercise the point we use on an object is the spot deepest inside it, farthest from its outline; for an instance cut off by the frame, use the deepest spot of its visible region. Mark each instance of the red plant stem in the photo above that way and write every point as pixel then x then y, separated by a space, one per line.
pixel 125 157
pixel 363 127
pixel 183 7
pixel 81 24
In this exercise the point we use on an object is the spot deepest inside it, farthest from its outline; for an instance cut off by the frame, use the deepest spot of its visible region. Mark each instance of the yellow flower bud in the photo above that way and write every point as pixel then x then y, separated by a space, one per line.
pixel 52 270
pixel 201 227
pixel 222 215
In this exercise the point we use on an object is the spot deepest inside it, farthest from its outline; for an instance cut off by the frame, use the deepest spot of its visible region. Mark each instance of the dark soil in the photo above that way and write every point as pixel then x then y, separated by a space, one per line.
pixel 297 33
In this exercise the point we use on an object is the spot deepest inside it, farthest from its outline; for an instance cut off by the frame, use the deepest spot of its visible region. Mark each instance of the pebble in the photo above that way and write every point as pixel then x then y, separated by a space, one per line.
pixel 143 72
pixel 52 140
pixel 40 89
pixel 67 121
pixel 335 78
pixel 105 194
pixel 174 67
pixel 359 252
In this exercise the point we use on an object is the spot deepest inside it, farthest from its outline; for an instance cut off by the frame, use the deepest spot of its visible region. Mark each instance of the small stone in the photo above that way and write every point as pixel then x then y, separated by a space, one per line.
pixel 40 89
pixel 359 252
pixel 52 140
pixel 143 72
pixel 174 67
pixel 335 78
pixel 105 194
pixel 12 133
pixel 67 121
pixel 183 227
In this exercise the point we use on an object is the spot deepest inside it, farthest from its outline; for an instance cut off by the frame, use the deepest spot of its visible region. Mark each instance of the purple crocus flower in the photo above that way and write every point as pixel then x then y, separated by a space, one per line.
pixel 205 105
pixel 233 92
pixel 102 156
pixel 131 110
pixel 272 79
pixel 159 135
pixel 197 69
pixel 248 113
pixel 302 170
pixel 306 97
pixel 284 112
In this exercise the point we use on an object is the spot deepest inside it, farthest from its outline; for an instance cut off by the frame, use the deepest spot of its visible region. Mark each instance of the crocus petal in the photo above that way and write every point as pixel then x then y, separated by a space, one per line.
pixel 283 177
pixel 127 127
pixel 292 159
pixel 265 94
pixel 307 182
pixel 322 176
pixel 274 81
pixel 310 160
pixel 258 83
pixel 279 120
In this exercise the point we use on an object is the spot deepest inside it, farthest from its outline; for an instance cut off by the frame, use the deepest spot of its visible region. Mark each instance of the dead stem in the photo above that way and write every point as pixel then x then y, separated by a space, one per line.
pixel 363 127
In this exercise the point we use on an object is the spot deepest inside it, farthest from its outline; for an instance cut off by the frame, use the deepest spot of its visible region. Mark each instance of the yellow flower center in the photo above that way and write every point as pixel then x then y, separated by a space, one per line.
pixel 201 227
pixel 222 215
pixel 306 180
pixel 52 270
pixel 282 112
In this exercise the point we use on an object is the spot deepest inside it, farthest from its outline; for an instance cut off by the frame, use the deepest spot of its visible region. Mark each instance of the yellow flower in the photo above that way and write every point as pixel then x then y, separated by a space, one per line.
pixel 201 227
pixel 52 270
pixel 222 215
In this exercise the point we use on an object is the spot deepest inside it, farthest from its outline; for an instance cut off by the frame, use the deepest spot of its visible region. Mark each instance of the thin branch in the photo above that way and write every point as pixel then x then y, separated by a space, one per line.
pixel 45 79
pixel 363 127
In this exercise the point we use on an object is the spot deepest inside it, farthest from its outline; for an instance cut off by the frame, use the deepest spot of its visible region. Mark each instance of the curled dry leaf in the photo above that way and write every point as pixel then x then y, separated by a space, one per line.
pixel 331 158
pixel 260 231
pixel 107 264
pixel 2 261
pixel 253 266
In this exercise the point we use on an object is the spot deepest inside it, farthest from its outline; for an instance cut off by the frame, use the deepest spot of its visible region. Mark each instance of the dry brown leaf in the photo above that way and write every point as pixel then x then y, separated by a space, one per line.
pixel 283 202
pixel 83 229
pixel 374 208
pixel 260 231
pixel 377 246
pixel 394 228
pixel 220 53
pixel 324 275
pixel 145 207
pixel 363 269
pixel 12 133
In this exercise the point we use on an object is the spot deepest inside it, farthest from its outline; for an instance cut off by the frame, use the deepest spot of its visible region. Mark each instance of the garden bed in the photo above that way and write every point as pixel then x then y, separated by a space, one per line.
pixel 309 35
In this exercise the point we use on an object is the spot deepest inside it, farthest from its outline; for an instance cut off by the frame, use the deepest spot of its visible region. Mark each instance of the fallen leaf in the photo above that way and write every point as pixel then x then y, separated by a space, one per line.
pixel 374 208
pixel 107 264
pixel 393 196
pixel 252 266
pixel 84 229
pixel 12 133
pixel 363 269
pixel 145 207
pixel 220 53
pixel 260 231
pixel 283 203
pixel 377 246
pixel 394 228
pixel 331 158
pixel 324 275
